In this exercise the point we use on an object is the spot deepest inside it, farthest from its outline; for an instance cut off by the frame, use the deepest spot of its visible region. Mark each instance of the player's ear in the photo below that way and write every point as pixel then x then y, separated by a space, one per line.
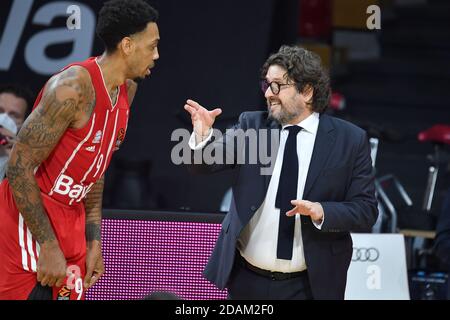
pixel 127 45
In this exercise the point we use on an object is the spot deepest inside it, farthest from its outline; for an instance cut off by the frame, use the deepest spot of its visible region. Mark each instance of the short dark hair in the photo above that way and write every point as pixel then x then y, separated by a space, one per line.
pixel 122 18
pixel 305 69
pixel 20 92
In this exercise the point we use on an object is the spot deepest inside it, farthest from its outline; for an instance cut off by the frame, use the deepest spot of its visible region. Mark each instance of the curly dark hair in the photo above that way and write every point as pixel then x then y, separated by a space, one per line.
pixel 305 69
pixel 122 18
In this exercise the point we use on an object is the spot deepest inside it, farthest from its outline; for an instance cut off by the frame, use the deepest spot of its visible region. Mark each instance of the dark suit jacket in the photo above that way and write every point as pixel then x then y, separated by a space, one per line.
pixel 340 177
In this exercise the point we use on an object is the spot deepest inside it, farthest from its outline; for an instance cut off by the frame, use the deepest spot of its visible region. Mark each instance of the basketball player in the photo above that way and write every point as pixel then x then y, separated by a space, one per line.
pixel 51 201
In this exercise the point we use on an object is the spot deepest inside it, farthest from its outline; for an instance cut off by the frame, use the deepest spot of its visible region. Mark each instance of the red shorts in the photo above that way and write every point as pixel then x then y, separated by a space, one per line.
pixel 19 251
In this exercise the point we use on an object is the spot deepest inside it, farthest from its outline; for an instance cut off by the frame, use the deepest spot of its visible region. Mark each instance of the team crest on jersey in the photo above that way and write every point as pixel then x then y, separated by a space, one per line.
pixel 64 293
pixel 90 149
pixel 98 137
pixel 120 137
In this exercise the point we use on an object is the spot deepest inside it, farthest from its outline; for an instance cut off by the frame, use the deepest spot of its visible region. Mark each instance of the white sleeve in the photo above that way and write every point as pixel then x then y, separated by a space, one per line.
pixel 319 225
pixel 201 144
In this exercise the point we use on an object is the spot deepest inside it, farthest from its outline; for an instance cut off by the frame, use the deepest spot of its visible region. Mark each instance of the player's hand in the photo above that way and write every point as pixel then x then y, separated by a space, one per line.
pixel 94 263
pixel 51 267
pixel 307 208
pixel 202 119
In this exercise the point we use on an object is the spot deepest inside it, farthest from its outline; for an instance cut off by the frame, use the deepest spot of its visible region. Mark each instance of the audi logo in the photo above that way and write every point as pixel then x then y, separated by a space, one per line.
pixel 365 254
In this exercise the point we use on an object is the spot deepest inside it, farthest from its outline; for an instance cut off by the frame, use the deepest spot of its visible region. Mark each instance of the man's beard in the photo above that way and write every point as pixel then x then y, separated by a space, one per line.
pixel 282 116
pixel 139 79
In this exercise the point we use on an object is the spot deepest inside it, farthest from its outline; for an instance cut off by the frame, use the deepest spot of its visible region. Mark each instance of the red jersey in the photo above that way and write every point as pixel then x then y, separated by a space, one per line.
pixel 78 160
pixel 82 156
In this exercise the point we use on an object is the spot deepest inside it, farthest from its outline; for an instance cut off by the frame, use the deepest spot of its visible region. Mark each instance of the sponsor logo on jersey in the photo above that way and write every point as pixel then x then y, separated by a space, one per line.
pixel 98 137
pixel 90 149
pixel 64 293
pixel 120 138
pixel 65 186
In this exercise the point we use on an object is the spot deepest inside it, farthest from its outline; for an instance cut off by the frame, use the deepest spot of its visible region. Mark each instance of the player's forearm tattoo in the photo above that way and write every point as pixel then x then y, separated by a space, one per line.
pixel 93 232
pixel 93 207
pixel 27 196
pixel 35 141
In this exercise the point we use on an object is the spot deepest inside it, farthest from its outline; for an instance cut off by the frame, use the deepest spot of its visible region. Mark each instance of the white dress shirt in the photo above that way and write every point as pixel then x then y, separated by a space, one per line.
pixel 258 240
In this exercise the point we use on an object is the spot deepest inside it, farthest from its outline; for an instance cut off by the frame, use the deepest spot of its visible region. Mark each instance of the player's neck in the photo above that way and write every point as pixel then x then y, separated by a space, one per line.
pixel 113 71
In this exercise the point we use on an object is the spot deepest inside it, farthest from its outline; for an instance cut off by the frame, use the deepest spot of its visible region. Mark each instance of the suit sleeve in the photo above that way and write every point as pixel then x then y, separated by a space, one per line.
pixel 358 212
pixel 220 153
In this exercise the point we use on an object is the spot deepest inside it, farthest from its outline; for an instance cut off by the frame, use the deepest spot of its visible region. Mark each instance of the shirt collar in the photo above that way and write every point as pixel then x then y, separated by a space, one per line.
pixel 310 124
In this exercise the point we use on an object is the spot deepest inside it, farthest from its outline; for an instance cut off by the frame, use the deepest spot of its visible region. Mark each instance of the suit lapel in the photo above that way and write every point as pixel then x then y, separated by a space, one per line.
pixel 325 138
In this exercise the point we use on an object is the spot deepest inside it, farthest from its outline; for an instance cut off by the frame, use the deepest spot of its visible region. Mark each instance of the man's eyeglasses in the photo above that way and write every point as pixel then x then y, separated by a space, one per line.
pixel 275 87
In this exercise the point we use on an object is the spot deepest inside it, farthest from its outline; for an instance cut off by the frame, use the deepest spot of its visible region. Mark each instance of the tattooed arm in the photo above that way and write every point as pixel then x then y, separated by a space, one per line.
pixel 93 205
pixel 94 260
pixel 66 102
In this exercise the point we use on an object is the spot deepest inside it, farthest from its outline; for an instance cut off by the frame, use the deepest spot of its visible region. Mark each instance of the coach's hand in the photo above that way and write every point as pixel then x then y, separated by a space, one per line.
pixel 202 119
pixel 94 263
pixel 51 267
pixel 307 208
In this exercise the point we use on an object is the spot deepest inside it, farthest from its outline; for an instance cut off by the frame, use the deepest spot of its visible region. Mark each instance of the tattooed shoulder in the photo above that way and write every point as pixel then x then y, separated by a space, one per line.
pixel 78 79
pixel 66 99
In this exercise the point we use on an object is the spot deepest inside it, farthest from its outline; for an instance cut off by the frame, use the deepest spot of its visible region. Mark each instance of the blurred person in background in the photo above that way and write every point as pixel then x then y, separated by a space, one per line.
pixel 15 102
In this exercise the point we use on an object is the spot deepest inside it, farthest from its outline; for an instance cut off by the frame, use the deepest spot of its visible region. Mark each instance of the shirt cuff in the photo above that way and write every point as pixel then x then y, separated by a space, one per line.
pixel 201 144
pixel 319 225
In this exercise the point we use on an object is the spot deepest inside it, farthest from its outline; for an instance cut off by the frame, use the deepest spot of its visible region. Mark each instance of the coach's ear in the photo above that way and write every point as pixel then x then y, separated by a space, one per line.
pixel 308 93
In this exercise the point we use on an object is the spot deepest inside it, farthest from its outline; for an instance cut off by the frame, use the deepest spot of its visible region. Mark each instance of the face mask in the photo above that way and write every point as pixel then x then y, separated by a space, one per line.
pixel 8 123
